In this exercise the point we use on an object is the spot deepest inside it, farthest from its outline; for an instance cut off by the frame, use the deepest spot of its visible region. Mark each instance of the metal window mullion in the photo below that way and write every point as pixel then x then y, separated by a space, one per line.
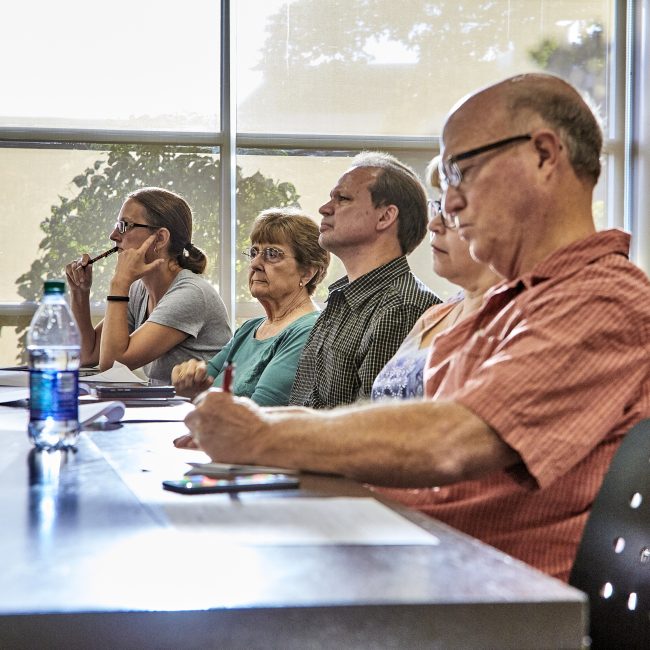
pixel 615 146
pixel 211 139
pixel 228 160
pixel 324 141
pixel 109 136
pixel 639 133
pixel 626 34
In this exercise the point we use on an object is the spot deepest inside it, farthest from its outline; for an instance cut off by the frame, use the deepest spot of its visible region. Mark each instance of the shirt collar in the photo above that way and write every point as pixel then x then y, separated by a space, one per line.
pixel 357 292
pixel 569 259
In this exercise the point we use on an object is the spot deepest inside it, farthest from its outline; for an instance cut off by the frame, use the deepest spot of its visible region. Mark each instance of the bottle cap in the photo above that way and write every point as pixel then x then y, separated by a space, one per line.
pixel 54 286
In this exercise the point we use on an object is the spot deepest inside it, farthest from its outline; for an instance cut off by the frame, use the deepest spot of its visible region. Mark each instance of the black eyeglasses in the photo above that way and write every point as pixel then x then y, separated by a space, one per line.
pixel 450 174
pixel 123 226
pixel 271 255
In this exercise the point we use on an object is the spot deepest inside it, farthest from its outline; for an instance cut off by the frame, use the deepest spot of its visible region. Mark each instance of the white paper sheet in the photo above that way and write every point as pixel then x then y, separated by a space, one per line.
pixel 295 521
pixel 14 378
pixel 111 411
pixel 12 394
pixel 173 412
pixel 225 469
pixel 16 419
pixel 119 373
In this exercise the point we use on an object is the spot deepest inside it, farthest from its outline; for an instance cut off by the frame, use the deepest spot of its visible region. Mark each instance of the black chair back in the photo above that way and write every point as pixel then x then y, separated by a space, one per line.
pixel 613 561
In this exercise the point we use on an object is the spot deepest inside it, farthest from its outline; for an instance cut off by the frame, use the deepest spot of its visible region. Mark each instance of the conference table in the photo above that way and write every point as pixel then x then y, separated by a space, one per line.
pixel 97 555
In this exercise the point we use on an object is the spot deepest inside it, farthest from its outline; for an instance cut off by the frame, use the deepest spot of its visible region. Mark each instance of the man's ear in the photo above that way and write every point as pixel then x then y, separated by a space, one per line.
pixel 548 148
pixel 387 217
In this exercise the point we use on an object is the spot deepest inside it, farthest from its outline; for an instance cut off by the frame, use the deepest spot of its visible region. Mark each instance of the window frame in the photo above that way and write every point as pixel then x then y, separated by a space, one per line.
pixel 627 142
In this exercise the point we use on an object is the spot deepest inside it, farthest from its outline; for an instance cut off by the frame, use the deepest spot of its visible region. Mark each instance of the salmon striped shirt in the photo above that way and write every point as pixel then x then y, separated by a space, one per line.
pixel 557 362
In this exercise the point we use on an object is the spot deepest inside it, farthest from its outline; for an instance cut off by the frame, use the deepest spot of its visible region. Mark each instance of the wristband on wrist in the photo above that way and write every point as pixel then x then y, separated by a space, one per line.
pixel 117 298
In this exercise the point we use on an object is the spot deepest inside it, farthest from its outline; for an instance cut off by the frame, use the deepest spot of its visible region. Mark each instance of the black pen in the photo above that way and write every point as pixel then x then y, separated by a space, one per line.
pixel 110 251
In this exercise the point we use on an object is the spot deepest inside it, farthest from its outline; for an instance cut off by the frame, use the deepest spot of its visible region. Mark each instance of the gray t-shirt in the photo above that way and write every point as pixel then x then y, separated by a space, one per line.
pixel 191 305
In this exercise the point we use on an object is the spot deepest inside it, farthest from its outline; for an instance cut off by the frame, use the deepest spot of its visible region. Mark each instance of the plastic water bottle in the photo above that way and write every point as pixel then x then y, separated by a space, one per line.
pixel 53 344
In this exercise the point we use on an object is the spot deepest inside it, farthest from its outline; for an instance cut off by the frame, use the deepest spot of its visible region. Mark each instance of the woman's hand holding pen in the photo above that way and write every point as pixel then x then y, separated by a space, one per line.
pixel 191 378
pixel 80 274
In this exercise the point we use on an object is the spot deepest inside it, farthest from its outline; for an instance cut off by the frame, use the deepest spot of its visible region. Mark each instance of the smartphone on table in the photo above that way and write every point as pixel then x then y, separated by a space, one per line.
pixel 200 484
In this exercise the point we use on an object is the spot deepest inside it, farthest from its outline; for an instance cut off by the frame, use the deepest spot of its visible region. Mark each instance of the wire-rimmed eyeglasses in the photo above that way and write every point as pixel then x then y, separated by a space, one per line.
pixel 123 226
pixel 436 212
pixel 270 254
pixel 450 173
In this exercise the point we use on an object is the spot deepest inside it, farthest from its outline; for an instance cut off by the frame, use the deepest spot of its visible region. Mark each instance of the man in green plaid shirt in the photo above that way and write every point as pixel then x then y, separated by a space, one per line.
pixel 376 215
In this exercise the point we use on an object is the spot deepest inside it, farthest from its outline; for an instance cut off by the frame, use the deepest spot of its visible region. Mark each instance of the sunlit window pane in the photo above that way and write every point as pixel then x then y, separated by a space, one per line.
pixel 61 202
pixel 395 68
pixel 124 64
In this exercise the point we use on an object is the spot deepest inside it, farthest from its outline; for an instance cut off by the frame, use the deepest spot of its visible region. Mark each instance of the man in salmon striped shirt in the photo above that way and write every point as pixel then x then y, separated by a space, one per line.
pixel 528 399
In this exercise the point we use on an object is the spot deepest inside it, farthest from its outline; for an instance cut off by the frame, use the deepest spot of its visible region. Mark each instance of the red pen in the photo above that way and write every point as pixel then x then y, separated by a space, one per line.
pixel 228 375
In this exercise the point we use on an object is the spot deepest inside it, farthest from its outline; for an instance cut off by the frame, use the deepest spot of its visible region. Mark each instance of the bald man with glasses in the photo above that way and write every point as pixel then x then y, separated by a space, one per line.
pixel 527 400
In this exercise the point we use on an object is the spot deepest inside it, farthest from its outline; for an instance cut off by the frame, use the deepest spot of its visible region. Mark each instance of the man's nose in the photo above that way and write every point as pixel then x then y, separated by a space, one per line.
pixel 326 208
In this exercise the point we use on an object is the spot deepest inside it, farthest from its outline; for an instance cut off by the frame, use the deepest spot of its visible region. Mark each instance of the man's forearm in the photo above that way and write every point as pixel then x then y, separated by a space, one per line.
pixel 414 444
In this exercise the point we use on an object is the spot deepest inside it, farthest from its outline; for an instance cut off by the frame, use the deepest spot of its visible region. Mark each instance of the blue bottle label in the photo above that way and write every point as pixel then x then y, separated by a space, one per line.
pixel 53 393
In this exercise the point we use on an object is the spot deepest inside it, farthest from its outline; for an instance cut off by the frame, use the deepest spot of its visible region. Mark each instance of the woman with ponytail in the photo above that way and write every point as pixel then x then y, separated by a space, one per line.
pixel 159 310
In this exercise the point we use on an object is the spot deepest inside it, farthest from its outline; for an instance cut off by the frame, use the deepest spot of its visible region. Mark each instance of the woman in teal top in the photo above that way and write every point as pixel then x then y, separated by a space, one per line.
pixel 264 369
pixel 286 265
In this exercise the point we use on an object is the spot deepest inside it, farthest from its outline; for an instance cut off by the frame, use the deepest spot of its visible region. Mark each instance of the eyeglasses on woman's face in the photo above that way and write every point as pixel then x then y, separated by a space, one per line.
pixel 269 254
pixel 436 212
pixel 123 226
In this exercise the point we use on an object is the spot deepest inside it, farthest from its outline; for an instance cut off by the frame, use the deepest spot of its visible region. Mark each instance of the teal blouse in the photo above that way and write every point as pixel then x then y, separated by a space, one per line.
pixel 264 370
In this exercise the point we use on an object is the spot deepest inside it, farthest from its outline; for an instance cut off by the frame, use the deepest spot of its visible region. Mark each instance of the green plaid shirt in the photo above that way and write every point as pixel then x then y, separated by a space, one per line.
pixel 359 330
